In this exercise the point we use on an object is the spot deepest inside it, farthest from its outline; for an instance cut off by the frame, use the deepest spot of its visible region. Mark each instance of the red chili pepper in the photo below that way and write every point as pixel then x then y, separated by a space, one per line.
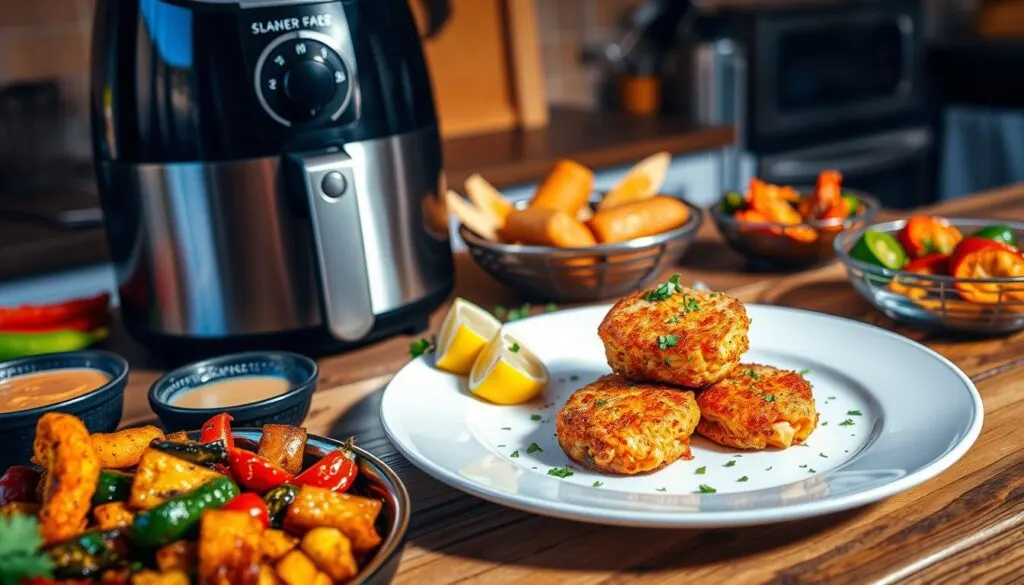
pixel 218 428
pixel 254 472
pixel 931 264
pixel 33 315
pixel 336 471
pixel 18 485
pixel 251 504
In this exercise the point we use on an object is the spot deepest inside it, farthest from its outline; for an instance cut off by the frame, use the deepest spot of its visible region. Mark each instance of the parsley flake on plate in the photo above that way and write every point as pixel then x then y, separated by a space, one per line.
pixel 847 423
pixel 769 468
pixel 822 455
pixel 752 374
pixel 811 470
pixel 804 372
pixel 598 484
pixel 420 347
pixel 706 489
pixel 742 479
pixel 661 489
pixel 514 348
pixel 701 470
pixel 535 417
pixel 667 341
pixel 533 448
pixel 665 290
pixel 824 423
pixel 804 466
pixel 690 304
pixel 515 454
pixel 853 413
pixel 729 464
pixel 562 472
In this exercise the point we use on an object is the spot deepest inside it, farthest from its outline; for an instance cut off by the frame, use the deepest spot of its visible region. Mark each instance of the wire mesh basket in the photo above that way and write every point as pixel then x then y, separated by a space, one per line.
pixel 938 302
pixel 583 274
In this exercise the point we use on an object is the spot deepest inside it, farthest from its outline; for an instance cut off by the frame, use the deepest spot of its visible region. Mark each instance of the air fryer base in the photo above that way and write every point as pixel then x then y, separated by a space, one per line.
pixel 172 350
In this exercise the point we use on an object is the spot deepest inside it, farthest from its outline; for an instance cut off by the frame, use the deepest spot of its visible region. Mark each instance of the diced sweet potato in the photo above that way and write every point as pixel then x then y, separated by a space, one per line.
pixel 283 445
pixel 161 476
pixel 162 578
pixel 177 556
pixel 229 548
pixel 277 543
pixel 354 516
pixel 298 569
pixel 331 551
pixel 268 576
pixel 112 515
pixel 124 448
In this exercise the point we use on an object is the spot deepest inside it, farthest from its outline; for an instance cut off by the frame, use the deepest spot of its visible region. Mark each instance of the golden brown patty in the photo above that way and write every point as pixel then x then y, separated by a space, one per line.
pixel 758 406
pixel 617 426
pixel 691 338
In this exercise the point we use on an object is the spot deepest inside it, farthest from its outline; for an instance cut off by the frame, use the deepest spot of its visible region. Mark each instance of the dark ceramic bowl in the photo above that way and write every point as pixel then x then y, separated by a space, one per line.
pixel 768 244
pixel 375 480
pixel 100 410
pixel 289 408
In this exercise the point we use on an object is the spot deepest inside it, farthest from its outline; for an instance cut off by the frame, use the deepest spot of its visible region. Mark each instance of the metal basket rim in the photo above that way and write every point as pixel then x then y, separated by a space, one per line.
pixel 871 207
pixel 852 235
pixel 636 245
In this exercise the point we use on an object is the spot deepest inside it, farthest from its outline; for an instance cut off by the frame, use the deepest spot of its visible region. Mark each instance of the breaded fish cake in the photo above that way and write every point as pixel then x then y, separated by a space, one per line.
pixel 689 338
pixel 617 426
pixel 758 406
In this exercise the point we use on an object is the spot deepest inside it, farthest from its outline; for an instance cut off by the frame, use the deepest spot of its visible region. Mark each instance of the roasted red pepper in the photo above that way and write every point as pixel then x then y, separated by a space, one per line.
pixel 35 315
pixel 218 428
pixel 254 472
pixel 252 505
pixel 336 471
pixel 18 485
pixel 984 258
pixel 925 234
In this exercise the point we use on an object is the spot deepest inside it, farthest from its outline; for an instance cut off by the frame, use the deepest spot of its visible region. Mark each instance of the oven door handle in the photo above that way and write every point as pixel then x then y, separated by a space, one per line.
pixel 870 161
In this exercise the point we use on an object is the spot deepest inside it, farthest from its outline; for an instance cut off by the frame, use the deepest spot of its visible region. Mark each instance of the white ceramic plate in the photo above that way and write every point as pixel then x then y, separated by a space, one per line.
pixel 893 414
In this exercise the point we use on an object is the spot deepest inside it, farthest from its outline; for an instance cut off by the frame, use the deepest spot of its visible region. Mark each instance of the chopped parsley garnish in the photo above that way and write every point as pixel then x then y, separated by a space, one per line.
pixel 535 417
pixel 769 397
pixel 804 466
pixel 706 489
pixel 853 413
pixel 573 378
pixel 823 455
pixel 729 464
pixel 752 374
pixel 661 489
pixel 533 448
pixel 690 304
pixel 804 372
pixel 665 290
pixel 600 403
pixel 824 423
pixel 831 397
pixel 667 341
pixel 420 347
pixel 515 454
pixel 514 348
pixel 811 470
pixel 847 423
pixel 736 455
pixel 672 320
pixel 598 483
pixel 506 428
pixel 501 446
pixel 520 313
pixel 562 472
pixel 769 468
pixel 551 308
pixel 742 479
pixel 21 556
pixel 700 470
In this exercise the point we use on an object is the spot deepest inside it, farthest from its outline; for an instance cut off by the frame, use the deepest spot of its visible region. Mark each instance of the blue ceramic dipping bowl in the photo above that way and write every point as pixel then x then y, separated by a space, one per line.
pixel 100 409
pixel 289 408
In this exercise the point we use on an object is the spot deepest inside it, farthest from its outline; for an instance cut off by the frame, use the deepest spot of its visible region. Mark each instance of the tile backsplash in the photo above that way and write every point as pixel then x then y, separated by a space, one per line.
pixel 42 39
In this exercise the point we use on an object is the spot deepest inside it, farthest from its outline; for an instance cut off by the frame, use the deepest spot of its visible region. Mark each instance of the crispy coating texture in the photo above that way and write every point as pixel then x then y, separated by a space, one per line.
pixel 756 407
pixel 617 426
pixel 63 449
pixel 692 338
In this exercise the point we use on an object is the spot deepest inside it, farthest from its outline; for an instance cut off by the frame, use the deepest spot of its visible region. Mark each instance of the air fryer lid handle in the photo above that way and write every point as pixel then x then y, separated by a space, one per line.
pixel 338 243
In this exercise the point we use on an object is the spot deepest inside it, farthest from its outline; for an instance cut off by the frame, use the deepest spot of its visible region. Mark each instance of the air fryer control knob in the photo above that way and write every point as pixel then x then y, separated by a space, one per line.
pixel 301 78
pixel 308 87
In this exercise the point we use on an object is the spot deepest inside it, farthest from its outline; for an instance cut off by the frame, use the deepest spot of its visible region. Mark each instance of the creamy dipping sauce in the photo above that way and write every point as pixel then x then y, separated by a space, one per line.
pixel 232 392
pixel 50 387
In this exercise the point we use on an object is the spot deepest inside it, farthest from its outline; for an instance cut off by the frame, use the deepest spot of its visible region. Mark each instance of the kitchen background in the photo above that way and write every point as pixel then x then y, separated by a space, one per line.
pixel 952 128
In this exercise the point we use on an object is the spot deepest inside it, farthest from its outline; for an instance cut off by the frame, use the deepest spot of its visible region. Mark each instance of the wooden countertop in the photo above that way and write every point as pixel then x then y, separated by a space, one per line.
pixel 597 139
pixel 962 526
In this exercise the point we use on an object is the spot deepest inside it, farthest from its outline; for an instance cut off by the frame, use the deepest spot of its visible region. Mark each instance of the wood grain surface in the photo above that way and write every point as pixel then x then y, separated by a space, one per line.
pixel 964 526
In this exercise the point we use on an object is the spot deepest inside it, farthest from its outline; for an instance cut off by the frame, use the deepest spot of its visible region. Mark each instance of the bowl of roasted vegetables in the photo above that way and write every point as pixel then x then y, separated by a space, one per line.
pixel 789 227
pixel 568 243
pixel 937 273
pixel 220 505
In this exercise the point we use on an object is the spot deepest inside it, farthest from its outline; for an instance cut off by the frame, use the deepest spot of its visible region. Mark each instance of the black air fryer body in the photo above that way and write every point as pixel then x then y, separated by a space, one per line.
pixel 270 171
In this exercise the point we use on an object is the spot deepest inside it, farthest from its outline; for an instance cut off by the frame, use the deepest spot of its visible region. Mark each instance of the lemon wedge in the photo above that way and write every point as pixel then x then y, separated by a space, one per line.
pixel 506 372
pixel 465 332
